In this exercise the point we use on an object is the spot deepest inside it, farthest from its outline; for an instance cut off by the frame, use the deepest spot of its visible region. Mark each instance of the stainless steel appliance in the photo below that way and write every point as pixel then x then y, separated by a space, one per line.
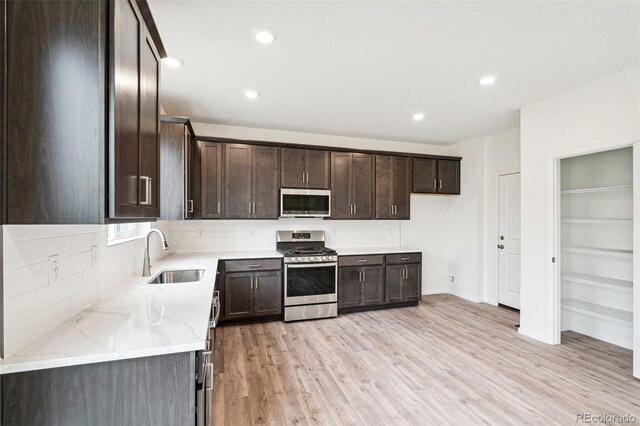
pixel 305 203
pixel 310 275
pixel 204 368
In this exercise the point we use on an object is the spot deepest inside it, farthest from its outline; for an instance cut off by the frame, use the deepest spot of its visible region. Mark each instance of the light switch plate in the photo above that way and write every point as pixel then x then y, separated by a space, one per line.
pixel 95 253
pixel 54 269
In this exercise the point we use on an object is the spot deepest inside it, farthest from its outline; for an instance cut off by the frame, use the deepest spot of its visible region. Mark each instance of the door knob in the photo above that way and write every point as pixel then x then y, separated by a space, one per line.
pixel 501 246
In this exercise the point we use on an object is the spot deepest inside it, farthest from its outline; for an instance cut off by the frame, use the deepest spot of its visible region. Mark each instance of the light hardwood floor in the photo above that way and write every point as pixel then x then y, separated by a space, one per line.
pixel 447 361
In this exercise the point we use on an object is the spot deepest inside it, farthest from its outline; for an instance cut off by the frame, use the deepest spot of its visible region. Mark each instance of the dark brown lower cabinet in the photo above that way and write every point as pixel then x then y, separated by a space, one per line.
pixel 385 281
pixel 251 289
pixel 155 390
pixel 403 283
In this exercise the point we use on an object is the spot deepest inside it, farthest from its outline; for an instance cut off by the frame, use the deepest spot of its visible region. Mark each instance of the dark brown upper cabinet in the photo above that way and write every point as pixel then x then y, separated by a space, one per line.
pixel 352 185
pixel 176 168
pixel 208 180
pixel 134 118
pixel 82 139
pixel 393 187
pixel 251 182
pixel 435 176
pixel 304 168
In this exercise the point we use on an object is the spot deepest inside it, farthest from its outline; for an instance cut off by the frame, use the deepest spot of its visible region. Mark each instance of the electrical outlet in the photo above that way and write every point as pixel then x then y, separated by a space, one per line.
pixel 54 269
pixel 452 278
pixel 94 256
pixel 252 233
pixel 199 233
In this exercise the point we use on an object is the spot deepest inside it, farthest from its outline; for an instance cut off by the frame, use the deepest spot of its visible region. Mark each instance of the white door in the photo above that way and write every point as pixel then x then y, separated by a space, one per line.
pixel 508 240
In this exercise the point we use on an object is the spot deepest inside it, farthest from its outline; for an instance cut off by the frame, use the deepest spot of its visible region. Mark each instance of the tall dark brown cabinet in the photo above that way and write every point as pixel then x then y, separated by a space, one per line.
pixel 176 168
pixel 352 185
pixel 208 180
pixel 251 182
pixel 304 168
pixel 393 187
pixel 81 140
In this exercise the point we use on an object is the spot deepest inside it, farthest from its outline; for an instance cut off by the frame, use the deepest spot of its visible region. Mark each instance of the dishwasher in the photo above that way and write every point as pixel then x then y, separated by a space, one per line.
pixel 204 373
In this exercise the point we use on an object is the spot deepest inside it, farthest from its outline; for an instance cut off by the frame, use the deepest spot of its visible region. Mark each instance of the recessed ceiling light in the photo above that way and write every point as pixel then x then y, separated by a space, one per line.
pixel 264 35
pixel 251 94
pixel 418 116
pixel 172 61
pixel 487 80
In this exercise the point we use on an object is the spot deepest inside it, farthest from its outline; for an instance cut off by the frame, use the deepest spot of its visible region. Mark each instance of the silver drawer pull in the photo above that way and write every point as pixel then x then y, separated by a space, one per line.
pixel 405 258
pixel 362 260
pixel 255 265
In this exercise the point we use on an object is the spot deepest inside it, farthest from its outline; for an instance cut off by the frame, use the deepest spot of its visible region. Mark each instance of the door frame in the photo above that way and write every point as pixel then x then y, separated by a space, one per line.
pixel 554 239
pixel 496 260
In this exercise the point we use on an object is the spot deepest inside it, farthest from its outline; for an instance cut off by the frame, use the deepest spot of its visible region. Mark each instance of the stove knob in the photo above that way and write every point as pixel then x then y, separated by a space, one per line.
pixel 325 258
pixel 294 259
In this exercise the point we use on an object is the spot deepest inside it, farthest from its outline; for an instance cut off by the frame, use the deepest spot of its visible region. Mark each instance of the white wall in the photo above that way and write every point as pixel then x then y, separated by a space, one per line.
pixel 501 155
pixel 597 116
pixel 31 305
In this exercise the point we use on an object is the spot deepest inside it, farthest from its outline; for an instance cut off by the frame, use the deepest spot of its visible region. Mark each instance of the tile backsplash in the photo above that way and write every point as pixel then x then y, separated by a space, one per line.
pixel 32 304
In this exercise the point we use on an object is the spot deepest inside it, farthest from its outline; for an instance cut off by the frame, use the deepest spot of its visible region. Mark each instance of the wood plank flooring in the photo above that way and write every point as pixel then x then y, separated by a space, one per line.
pixel 447 361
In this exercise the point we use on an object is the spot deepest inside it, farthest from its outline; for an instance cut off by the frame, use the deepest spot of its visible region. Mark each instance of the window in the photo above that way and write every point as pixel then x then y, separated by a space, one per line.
pixel 123 232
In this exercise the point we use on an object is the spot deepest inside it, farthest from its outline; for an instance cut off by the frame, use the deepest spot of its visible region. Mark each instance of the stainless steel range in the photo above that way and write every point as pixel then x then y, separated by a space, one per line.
pixel 310 275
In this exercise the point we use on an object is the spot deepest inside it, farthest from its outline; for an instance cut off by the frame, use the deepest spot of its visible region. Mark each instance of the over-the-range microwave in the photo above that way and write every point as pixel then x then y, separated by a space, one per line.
pixel 305 202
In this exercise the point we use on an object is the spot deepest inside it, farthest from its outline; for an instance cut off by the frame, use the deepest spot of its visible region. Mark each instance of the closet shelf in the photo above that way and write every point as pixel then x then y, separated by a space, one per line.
pixel 599 281
pixel 599 311
pixel 599 251
pixel 601 189
pixel 598 221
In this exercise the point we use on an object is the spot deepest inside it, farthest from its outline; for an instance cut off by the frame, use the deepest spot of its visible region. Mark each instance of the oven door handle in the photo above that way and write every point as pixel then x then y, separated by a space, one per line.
pixel 311 265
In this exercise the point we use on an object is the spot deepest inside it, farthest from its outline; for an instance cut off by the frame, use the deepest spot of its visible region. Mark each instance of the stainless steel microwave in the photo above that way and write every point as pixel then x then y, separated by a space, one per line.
pixel 305 202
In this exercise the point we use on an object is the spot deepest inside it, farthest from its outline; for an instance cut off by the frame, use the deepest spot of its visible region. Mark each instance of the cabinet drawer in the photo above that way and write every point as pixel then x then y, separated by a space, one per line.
pixel 377 259
pixel 404 258
pixel 252 265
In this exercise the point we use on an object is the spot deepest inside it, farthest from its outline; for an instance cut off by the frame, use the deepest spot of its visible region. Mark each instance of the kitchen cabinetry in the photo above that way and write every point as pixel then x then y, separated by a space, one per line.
pixel 378 281
pixel 252 289
pixel 135 116
pixel 251 182
pixel 176 168
pixel 436 176
pixel 208 179
pixel 393 187
pixel 64 161
pixel 352 185
pixel 304 168
pixel 154 390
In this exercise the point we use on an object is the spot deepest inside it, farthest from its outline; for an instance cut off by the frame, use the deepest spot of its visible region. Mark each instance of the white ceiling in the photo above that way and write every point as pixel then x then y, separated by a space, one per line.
pixel 363 68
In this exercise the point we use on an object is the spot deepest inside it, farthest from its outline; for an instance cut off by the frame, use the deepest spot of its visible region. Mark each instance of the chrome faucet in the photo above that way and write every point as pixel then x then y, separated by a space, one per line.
pixel 146 267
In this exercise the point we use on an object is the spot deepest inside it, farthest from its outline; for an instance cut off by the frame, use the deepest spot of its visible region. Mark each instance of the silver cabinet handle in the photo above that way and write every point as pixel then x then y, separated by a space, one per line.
pixel 147 190
pixel 189 206
pixel 364 276
pixel 435 184
pixel 257 279
pixel 350 208
pixel 363 260
pixel 251 283
pixel 254 208
pixel 405 258
pixel 303 178
pixel 255 265
pixel 355 209
pixel 440 184
pixel 250 208
pixel 218 207
pixel 307 177
pixel 359 276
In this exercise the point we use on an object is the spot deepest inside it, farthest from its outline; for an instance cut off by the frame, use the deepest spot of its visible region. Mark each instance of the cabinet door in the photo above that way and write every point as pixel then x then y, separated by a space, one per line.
pixel 425 175
pixel 238 295
pixel 412 283
pixel 189 209
pixel 341 185
pixel 265 184
pixel 149 128
pixel 394 283
pixel 363 185
pixel 317 169
pixel 210 180
pixel 349 287
pixel 373 285
pixel 267 293
pixel 171 170
pixel 384 181
pixel 401 190
pixel 124 147
pixel 237 182
pixel 448 177
pixel 292 170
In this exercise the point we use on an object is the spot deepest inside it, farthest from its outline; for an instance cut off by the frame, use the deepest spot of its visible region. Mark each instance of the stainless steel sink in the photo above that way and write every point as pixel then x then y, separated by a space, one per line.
pixel 178 276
